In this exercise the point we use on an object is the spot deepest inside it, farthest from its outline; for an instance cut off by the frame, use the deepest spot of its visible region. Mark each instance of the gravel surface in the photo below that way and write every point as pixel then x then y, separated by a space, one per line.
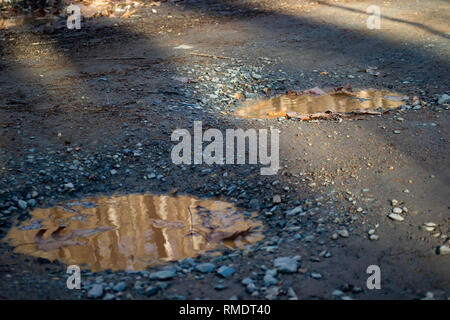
pixel 90 112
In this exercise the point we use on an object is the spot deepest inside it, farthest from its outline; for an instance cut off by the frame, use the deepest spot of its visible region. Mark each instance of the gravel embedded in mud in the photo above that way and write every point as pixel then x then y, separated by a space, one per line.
pixel 104 128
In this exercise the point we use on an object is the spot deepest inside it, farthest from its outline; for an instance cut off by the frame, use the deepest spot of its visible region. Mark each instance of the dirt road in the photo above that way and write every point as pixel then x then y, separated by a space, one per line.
pixel 90 112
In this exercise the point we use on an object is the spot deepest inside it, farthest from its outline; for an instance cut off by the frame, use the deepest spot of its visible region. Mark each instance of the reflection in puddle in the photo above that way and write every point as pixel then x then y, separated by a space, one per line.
pixel 370 99
pixel 132 232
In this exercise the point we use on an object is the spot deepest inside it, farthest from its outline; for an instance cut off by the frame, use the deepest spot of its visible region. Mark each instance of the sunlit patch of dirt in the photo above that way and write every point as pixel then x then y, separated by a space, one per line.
pixel 133 232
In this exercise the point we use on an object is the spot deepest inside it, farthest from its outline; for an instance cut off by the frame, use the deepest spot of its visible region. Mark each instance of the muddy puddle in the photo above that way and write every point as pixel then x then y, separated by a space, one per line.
pixel 319 102
pixel 133 232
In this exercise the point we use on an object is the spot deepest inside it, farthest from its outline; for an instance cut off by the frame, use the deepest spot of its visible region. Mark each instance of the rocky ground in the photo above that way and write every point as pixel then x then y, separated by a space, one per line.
pixel 90 111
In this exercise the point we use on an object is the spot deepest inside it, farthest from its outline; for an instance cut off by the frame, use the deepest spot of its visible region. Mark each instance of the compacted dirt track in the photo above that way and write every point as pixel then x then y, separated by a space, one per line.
pixel 90 112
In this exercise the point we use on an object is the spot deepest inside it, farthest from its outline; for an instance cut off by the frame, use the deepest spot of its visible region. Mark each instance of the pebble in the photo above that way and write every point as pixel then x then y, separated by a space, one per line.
pixel 109 296
pixel 316 275
pixel 294 211
pixel 343 233
pixel 162 275
pixel 396 217
pixel 256 76
pixel 373 237
pixel 121 286
pixel 394 202
pixel 205 267
pixel 269 280
pixel 443 250
pixel 397 210
pixel 444 99
pixel 272 293
pixel 225 271
pixel 292 295
pixel 150 291
pixel 69 186
pixel 251 287
pixel 96 292
pixel 286 264
pixel 220 287
pixel 276 199
pixel 22 204
pixel 337 293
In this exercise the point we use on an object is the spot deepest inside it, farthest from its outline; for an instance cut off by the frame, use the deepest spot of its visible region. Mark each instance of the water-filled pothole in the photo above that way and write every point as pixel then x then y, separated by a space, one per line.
pixel 133 232
pixel 316 103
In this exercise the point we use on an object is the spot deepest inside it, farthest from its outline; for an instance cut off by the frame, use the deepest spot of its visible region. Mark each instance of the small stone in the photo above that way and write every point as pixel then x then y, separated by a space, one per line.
pixel 337 293
pixel 396 217
pixel 430 224
pixel 220 287
pixel 251 287
pixel 294 211
pixel 443 250
pixel 246 281
pixel 270 280
pixel 256 76
pixel 225 271
pixel 394 202
pixel 121 286
pixel 316 275
pixel 334 236
pixel 397 131
pixel 109 296
pixel 276 199
pixel 429 296
pixel 22 204
pixel 162 275
pixel 96 292
pixel 397 210
pixel 286 264
pixel 343 233
pixel 69 186
pixel 373 237
pixel 444 99
pixel 292 295
pixel 272 293
pixel 150 291
pixel 205 267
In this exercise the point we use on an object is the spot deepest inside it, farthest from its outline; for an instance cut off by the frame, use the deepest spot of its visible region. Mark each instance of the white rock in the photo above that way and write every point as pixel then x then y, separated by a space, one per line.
pixel 396 217
pixel 444 99
pixel 443 250
pixel 343 233
pixel 184 47
pixel 397 210
pixel 430 224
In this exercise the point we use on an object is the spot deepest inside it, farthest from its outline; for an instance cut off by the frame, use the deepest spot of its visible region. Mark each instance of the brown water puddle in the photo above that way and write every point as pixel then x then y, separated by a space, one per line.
pixel 132 232
pixel 309 104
